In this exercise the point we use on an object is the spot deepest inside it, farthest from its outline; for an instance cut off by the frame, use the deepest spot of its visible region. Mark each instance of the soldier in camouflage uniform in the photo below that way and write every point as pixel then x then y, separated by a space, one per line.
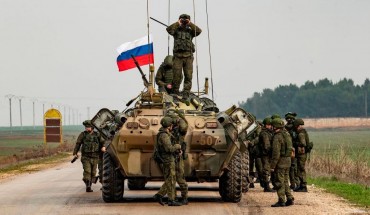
pixel 91 144
pixel 167 152
pixel 264 145
pixel 183 32
pixel 300 143
pixel 289 126
pixel 254 156
pixel 180 128
pixel 280 163
pixel 164 76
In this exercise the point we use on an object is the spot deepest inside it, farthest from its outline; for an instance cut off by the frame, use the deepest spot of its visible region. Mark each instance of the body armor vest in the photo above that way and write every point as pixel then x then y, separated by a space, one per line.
pixel 296 139
pixel 90 143
pixel 286 149
pixel 183 41
pixel 168 75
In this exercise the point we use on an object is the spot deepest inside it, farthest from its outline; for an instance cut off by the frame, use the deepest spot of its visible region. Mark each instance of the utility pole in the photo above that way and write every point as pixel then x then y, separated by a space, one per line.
pixel 73 116
pixel 69 115
pixel 20 109
pixel 88 112
pixel 33 108
pixel 64 115
pixel 9 96
pixel 366 103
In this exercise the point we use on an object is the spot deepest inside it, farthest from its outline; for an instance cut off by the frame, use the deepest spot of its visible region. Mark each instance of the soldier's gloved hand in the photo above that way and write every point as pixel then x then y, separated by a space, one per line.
pixel 177 146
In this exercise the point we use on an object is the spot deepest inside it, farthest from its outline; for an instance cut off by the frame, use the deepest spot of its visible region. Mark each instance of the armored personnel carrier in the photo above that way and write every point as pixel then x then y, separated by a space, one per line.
pixel 215 143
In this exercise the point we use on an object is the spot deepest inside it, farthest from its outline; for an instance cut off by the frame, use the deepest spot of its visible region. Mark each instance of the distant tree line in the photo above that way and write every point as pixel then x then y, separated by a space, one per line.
pixel 312 100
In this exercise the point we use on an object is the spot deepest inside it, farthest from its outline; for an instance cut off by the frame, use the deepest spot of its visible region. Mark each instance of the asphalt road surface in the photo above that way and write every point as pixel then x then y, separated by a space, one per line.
pixel 60 190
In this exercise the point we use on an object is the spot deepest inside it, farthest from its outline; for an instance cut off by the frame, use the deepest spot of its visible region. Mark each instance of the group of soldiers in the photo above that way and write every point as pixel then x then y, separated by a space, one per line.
pixel 279 152
pixel 169 75
pixel 277 149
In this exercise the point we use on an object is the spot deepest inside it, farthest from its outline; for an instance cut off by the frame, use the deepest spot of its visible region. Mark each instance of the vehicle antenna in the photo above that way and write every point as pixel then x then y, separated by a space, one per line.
pixel 168 23
pixel 196 53
pixel 209 49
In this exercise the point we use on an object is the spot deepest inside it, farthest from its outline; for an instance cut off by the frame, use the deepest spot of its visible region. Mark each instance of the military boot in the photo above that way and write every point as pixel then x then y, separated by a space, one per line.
pixel 88 186
pixel 289 202
pixel 278 204
pixel 301 189
pixel 159 199
pixel 184 201
pixel 251 185
pixel 292 187
pixel 185 95
pixel 173 203
pixel 267 188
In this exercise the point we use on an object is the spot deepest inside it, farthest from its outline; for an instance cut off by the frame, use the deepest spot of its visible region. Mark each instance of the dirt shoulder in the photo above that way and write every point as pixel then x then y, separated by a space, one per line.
pixel 316 201
pixel 34 165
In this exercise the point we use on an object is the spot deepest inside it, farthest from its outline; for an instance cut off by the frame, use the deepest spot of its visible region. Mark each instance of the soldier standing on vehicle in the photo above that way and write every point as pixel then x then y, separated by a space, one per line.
pixel 180 127
pixel 164 77
pixel 91 144
pixel 264 146
pixel 289 126
pixel 166 151
pixel 183 32
pixel 301 142
pixel 280 163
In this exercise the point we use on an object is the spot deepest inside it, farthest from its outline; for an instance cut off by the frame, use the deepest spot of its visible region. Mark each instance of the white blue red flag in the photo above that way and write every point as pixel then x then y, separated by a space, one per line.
pixel 140 48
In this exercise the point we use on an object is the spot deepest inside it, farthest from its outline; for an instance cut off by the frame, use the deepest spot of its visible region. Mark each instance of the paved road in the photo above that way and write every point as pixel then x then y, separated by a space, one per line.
pixel 60 190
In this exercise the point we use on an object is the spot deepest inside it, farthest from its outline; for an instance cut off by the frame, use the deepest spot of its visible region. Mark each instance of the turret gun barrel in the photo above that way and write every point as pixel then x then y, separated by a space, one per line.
pixel 146 82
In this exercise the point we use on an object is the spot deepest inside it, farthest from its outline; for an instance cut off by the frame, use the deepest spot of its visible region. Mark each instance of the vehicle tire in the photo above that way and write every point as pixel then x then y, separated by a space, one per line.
pixel 230 183
pixel 245 171
pixel 136 183
pixel 113 182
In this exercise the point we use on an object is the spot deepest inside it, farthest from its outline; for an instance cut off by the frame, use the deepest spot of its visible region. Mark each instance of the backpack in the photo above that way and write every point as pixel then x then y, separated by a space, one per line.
pixel 156 155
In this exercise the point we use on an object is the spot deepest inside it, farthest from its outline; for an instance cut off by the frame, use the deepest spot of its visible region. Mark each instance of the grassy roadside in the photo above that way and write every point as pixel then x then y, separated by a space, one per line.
pixel 33 165
pixel 357 194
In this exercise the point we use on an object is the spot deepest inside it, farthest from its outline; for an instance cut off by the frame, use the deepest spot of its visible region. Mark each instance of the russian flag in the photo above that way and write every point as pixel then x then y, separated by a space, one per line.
pixel 140 48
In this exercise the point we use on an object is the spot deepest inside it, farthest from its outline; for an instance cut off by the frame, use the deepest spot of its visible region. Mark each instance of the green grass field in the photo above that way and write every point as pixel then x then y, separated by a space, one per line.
pixel 20 141
pixel 354 142
pixel 355 193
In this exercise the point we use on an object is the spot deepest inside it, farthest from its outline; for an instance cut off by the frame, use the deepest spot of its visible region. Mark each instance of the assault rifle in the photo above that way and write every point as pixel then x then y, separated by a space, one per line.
pixel 74 159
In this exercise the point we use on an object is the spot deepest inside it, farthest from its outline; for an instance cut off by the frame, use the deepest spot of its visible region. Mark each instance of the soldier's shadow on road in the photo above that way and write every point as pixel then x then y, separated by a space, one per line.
pixel 210 197
pixel 129 199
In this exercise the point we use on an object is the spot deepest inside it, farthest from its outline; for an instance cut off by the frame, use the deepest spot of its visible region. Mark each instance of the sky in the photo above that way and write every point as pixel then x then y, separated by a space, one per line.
pixel 62 53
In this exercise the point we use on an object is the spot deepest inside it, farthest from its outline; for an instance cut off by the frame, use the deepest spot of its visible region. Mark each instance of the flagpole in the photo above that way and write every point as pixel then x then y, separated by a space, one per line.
pixel 151 66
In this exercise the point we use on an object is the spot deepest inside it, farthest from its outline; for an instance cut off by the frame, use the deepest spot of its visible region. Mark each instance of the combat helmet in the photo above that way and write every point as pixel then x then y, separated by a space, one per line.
pixel 298 122
pixel 290 116
pixel 168 61
pixel 277 123
pixel 275 116
pixel 267 121
pixel 184 16
pixel 166 122
pixel 87 123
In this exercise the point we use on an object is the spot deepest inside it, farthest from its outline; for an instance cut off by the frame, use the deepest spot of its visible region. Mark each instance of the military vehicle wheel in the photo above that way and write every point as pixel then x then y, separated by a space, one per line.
pixel 136 184
pixel 245 171
pixel 113 182
pixel 230 183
